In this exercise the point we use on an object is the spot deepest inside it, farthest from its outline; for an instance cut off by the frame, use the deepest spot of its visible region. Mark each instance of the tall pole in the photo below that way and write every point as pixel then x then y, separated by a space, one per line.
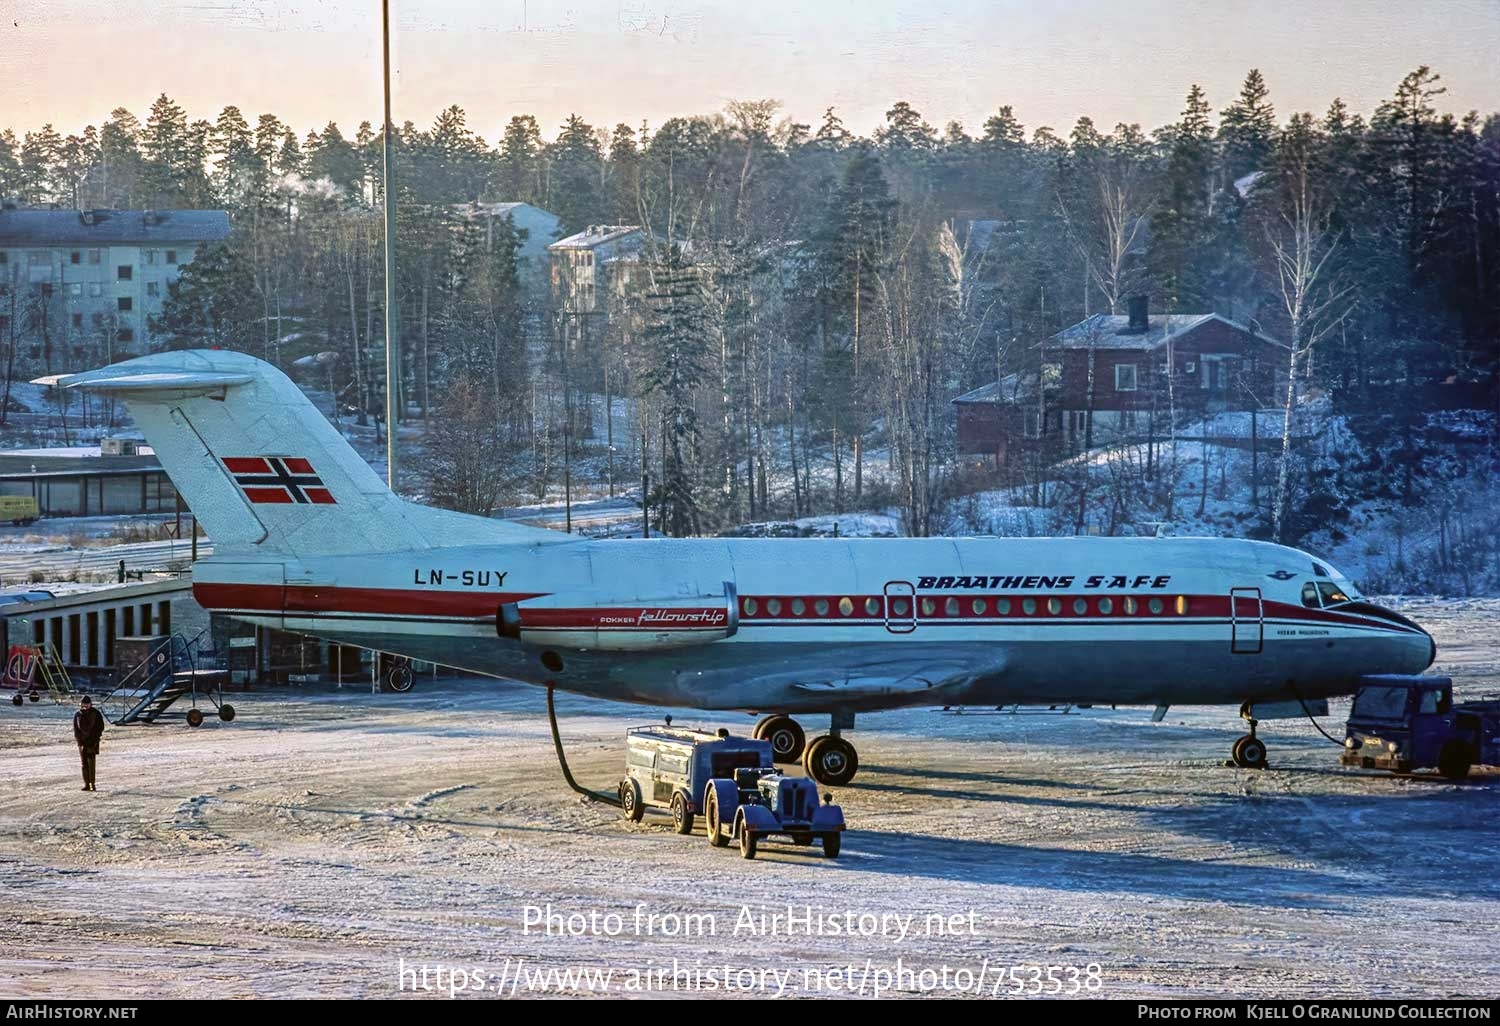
pixel 392 322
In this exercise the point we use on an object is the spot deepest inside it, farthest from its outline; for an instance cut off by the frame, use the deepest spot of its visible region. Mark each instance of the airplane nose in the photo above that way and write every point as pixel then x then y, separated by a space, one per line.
pixel 1424 646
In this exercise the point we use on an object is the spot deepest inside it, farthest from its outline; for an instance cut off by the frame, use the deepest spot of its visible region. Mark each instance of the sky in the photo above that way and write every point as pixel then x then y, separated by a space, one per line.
pixel 69 62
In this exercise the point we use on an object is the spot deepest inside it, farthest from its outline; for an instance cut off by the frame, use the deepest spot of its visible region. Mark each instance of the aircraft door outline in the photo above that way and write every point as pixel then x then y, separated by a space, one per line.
pixel 1247 621
pixel 899 596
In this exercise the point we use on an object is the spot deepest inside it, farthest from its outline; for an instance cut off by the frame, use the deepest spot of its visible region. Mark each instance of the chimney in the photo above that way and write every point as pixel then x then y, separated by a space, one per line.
pixel 1140 317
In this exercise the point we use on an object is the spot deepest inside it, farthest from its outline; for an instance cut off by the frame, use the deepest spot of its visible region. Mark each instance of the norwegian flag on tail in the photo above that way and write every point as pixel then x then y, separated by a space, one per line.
pixel 278 480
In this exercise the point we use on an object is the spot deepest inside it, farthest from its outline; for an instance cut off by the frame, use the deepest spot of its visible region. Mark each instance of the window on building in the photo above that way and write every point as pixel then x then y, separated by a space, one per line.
pixel 75 257
pixel 171 256
pixel 98 319
pixel 1124 377
pixel 125 335
pixel 40 256
pixel 1190 367
pixel 1031 423
pixel 1127 420
pixel 4 257
pixel 125 272
pixel 78 320
pixel 150 256
pixel 76 288
pixel 93 256
pixel 4 323
pixel 153 288
pixel 95 289
pixel 124 303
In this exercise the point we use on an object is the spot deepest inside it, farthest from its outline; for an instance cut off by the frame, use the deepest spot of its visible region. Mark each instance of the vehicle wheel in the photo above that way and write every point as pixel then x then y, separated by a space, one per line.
pixel 1249 752
pixel 16 699
pixel 711 824
pixel 682 816
pixel 831 760
pixel 831 843
pixel 195 717
pixel 226 712
pixel 34 695
pixel 802 840
pixel 747 843
pixel 786 736
pixel 630 801
pixel 1453 760
pixel 399 677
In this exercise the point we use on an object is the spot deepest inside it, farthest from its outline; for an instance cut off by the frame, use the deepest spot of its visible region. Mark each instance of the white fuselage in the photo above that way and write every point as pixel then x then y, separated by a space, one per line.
pixel 847 625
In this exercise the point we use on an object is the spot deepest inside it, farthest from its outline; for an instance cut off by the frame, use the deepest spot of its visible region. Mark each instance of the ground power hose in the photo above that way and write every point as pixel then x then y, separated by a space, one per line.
pixel 562 760
pixel 1300 700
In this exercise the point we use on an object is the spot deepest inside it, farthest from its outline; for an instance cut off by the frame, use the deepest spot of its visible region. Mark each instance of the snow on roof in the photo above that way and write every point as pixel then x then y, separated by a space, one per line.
pixel 103 227
pixel 1017 387
pixel 1112 331
pixel 594 235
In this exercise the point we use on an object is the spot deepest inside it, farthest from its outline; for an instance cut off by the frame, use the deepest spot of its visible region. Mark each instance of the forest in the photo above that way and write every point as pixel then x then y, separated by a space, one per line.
pixel 808 301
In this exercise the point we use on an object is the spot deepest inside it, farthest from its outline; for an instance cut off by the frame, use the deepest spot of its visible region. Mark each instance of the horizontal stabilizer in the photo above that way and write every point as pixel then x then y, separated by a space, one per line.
pixel 190 376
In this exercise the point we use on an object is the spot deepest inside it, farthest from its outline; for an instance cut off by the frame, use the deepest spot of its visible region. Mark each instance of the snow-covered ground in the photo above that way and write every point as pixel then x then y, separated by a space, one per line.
pixel 325 836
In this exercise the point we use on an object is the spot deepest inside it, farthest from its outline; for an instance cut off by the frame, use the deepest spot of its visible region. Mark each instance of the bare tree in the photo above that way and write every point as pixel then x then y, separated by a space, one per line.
pixel 1302 244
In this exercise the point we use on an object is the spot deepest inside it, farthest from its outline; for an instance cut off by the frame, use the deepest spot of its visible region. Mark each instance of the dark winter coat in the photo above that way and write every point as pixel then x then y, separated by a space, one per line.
pixel 88 727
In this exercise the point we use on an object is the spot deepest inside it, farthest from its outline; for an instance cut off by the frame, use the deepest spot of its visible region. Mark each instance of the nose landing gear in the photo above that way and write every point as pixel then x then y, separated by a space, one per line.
pixel 1249 752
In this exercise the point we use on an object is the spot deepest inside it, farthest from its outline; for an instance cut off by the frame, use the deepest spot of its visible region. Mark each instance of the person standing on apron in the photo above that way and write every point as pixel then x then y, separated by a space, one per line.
pixel 88 728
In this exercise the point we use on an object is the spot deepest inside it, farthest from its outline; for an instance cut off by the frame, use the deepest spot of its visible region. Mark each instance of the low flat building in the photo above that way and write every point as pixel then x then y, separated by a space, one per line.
pixel 77 485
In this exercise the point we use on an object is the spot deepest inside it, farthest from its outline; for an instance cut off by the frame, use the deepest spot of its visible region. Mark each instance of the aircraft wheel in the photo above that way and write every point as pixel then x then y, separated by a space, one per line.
pixel 630 801
pixel 195 717
pixel 34 695
pixel 1453 760
pixel 831 760
pixel 226 712
pixel 787 738
pixel 682 816
pixel 1249 752
pixel 831 844
pixel 16 699
pixel 399 678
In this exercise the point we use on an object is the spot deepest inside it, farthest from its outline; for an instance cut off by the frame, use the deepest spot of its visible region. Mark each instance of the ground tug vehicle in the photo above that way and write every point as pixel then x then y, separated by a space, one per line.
pixel 1401 723
pixel 20 510
pixel 732 781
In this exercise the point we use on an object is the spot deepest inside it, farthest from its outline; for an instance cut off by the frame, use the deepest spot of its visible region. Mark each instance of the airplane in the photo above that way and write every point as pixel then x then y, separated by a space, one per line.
pixel 308 539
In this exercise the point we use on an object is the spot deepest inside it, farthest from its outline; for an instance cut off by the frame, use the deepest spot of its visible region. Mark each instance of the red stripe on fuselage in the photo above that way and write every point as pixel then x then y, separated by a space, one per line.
pixel 275 599
pixel 293 599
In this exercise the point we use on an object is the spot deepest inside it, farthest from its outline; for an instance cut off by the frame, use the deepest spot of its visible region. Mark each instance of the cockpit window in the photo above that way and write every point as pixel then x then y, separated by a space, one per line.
pixel 1310 596
pixel 1332 594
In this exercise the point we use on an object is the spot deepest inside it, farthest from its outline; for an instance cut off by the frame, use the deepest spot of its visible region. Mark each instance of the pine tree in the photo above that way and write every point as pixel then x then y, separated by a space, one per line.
pixel 1180 261
pixel 1247 128
pixel 573 192
pixel 675 348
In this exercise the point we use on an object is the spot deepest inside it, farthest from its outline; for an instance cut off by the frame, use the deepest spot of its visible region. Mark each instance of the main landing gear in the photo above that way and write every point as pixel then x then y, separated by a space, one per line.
pixel 1249 752
pixel 828 759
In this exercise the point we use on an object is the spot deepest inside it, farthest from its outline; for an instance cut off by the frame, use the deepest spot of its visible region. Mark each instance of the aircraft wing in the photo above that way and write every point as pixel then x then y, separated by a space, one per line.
pixel 872 683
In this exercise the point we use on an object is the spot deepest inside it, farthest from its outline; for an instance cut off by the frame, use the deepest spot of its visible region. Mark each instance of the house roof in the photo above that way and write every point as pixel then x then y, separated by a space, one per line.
pixel 69 227
pixel 1112 331
pixel 594 235
pixel 1017 387
pixel 26 467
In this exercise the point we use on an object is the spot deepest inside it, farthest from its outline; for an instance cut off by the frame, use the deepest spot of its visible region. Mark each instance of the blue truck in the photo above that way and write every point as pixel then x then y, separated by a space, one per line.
pixel 731 781
pixel 1402 724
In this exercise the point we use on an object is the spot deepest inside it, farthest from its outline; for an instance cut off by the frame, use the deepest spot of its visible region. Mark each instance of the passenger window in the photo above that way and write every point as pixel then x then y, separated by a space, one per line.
pixel 1332 593
pixel 1310 596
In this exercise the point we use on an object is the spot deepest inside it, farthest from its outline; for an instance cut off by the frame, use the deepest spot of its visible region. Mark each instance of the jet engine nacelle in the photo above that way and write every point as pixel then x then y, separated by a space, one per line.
pixel 591 621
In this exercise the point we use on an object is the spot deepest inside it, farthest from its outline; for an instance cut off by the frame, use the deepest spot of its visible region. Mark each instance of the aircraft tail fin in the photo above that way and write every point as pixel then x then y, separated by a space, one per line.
pixel 264 470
